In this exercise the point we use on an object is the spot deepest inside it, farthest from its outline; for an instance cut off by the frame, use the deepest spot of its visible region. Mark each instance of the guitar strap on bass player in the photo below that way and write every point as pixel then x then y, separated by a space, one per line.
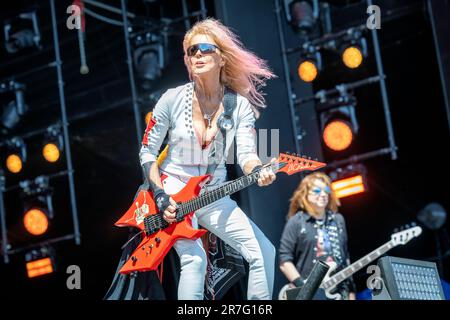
pixel 225 123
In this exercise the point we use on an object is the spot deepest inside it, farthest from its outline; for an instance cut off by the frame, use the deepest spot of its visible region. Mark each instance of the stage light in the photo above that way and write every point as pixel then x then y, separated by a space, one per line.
pixel 15 109
pixel 407 279
pixel 148 116
pixel 53 144
pixel 348 186
pixel 148 57
pixel 37 193
pixel 10 116
pixel 50 152
pixel 349 180
pixel 307 71
pixel 338 121
pixel 14 163
pixel 353 48
pixel 310 64
pixel 337 135
pixel 302 15
pixel 16 155
pixel 22 32
pixel 40 262
pixel 39 267
pixel 35 221
pixel 352 57
pixel 433 216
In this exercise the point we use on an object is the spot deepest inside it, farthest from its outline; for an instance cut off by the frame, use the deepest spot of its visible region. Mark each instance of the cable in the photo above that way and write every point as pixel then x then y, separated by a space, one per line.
pixel 108 7
pixel 102 18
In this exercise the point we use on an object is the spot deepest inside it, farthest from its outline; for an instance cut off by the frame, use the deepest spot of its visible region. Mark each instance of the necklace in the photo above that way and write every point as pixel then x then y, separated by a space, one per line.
pixel 210 116
pixel 319 222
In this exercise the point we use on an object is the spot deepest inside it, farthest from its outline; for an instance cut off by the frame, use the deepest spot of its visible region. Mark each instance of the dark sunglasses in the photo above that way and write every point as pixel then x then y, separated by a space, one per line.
pixel 203 47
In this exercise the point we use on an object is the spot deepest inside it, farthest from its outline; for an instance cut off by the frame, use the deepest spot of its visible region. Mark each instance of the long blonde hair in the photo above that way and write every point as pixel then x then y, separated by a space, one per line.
pixel 299 199
pixel 243 71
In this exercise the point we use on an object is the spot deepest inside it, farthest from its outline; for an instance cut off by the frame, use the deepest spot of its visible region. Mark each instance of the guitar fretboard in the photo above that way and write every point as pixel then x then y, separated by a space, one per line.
pixel 216 194
pixel 356 266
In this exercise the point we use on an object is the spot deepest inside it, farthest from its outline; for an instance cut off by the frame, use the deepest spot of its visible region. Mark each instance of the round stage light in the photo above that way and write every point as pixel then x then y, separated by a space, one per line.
pixel 14 163
pixel 51 152
pixel 338 135
pixel 352 57
pixel 307 71
pixel 35 222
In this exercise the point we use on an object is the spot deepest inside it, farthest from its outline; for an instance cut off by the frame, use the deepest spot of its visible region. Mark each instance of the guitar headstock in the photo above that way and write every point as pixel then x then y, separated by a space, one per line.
pixel 293 163
pixel 404 236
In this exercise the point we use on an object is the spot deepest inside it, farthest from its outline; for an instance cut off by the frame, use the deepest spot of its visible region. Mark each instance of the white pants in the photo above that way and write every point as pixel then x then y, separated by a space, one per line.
pixel 227 221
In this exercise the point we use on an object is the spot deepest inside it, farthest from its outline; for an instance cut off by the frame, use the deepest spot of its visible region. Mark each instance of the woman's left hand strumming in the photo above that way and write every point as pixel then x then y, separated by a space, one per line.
pixel 266 175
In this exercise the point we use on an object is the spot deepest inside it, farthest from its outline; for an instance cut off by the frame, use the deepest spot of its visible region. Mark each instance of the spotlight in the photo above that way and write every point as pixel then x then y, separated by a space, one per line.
pixel 352 57
pixel 10 116
pixel 338 135
pixel 53 144
pixel 310 64
pixel 15 109
pixel 22 32
pixel 148 57
pixel 14 163
pixel 40 262
pixel 338 122
pixel 307 70
pixel 35 221
pixel 50 151
pixel 302 15
pixel 16 155
pixel 37 194
pixel 433 216
pixel 353 49
pixel 407 279
pixel 348 181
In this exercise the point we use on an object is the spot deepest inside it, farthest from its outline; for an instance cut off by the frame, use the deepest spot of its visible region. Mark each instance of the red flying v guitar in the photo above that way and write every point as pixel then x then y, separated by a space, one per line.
pixel 159 236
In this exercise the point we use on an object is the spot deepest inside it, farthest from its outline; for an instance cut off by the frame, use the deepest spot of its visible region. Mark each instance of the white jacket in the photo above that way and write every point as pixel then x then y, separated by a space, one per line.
pixel 186 158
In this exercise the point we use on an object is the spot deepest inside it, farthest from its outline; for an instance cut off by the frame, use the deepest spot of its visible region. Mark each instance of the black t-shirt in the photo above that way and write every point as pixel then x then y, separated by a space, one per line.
pixel 306 240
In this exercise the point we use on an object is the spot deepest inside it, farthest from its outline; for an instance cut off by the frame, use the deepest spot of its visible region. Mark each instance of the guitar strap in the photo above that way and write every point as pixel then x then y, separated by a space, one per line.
pixel 225 123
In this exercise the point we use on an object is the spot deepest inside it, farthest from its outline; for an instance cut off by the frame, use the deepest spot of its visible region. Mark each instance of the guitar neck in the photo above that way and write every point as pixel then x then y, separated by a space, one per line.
pixel 217 194
pixel 356 266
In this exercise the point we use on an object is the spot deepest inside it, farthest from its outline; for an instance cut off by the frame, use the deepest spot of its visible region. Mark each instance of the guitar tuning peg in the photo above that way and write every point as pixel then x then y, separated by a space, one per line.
pixel 287 152
pixel 396 230
pixel 407 226
pixel 413 224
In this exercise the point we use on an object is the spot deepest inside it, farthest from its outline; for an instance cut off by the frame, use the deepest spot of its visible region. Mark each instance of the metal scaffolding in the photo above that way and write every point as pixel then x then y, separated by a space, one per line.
pixel 6 250
pixel 380 78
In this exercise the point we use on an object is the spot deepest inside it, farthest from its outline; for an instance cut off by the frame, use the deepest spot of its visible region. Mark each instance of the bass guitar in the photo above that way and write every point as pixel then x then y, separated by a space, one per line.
pixel 329 283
